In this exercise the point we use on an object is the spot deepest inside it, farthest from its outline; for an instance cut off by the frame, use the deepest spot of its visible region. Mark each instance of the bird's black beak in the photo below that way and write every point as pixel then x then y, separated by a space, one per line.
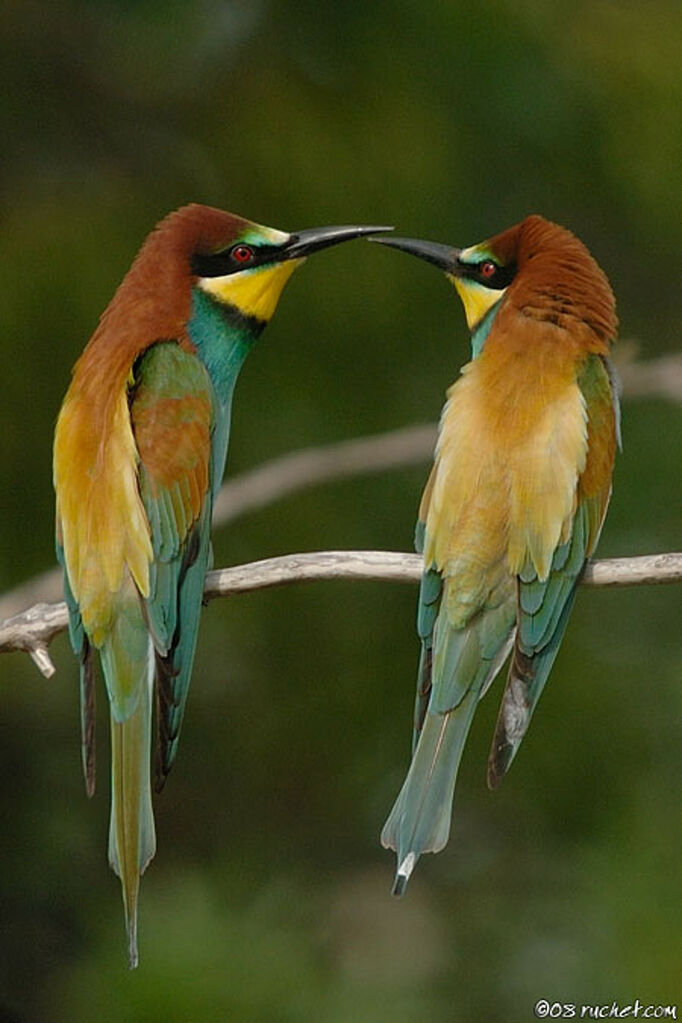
pixel 302 243
pixel 446 257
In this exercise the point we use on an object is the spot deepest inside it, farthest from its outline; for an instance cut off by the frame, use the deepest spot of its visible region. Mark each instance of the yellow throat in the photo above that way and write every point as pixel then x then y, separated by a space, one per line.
pixel 476 298
pixel 253 292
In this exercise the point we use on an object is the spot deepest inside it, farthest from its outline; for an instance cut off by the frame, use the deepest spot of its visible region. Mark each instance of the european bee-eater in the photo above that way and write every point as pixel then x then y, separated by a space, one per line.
pixel 139 454
pixel 514 504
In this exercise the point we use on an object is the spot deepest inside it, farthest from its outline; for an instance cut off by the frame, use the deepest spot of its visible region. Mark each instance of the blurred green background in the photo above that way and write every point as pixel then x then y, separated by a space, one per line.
pixel 269 898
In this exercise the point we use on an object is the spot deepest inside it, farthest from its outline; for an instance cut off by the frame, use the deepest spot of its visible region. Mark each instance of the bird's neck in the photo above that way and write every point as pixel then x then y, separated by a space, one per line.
pixel 481 330
pixel 223 338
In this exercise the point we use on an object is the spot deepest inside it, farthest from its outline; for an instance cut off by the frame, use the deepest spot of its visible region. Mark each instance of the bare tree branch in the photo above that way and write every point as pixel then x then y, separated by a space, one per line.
pixel 32 630
pixel 411 445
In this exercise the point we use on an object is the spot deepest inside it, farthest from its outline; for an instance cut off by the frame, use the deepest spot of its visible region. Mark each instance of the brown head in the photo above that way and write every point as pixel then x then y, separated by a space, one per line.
pixel 237 262
pixel 537 267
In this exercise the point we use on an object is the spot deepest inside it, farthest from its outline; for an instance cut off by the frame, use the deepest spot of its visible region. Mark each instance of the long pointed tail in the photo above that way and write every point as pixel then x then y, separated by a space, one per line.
pixel 465 661
pixel 132 838
pixel 420 819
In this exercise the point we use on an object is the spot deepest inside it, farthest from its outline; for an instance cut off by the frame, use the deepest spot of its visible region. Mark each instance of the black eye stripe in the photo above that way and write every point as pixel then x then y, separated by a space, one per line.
pixel 219 264
pixel 500 279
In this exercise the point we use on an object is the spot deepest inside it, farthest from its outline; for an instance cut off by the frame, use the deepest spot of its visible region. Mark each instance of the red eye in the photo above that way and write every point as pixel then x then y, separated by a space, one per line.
pixel 242 254
pixel 487 269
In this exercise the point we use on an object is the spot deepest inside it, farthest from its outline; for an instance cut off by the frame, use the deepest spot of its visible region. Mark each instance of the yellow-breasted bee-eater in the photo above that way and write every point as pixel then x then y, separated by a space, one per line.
pixel 514 504
pixel 139 454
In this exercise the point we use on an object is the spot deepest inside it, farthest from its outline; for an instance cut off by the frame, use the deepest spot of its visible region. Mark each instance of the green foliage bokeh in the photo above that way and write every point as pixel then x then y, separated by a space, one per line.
pixel 268 898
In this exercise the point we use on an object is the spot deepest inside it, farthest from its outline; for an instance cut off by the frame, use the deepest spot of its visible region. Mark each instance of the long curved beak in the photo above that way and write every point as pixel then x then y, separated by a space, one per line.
pixel 443 256
pixel 302 243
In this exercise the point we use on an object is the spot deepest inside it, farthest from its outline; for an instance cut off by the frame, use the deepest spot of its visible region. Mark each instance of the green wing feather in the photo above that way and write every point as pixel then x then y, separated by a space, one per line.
pixel 544 605
pixel 173 417
pixel 430 590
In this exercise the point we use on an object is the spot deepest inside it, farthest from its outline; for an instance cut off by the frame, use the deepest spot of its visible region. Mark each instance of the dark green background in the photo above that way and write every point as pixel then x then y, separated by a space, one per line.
pixel 269 896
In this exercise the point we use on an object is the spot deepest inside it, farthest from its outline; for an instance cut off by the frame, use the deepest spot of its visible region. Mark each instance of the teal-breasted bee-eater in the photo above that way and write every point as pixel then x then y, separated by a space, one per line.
pixel 139 453
pixel 514 504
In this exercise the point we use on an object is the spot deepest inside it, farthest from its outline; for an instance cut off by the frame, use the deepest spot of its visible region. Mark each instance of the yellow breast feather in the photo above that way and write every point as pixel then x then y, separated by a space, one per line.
pixel 101 520
pixel 511 448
